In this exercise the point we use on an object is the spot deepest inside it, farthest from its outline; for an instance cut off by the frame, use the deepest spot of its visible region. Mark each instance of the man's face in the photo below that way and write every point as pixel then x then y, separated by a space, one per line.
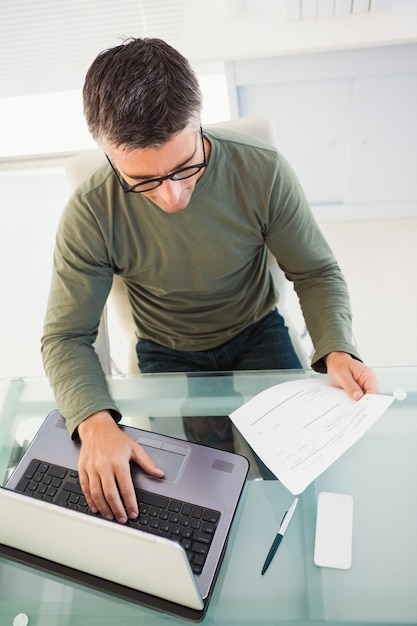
pixel 138 166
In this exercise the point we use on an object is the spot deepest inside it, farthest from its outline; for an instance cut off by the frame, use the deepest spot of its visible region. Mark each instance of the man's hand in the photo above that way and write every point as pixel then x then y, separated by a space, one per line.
pixel 104 469
pixel 350 374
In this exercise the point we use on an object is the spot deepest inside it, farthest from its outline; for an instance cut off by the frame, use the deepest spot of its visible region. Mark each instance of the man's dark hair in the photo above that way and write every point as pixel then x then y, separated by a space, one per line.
pixel 140 94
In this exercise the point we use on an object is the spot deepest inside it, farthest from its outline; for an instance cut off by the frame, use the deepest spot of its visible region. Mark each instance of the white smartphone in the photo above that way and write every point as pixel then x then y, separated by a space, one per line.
pixel 334 526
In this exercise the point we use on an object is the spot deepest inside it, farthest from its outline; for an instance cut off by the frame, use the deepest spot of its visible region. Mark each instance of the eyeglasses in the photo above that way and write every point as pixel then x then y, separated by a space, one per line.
pixel 182 174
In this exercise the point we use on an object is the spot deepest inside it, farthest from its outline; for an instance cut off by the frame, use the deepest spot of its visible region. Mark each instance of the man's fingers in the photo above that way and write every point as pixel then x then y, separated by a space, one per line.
pixel 103 498
pixel 351 375
pixel 104 467
pixel 145 462
pixel 109 488
pixel 85 486
pixel 349 384
pixel 112 498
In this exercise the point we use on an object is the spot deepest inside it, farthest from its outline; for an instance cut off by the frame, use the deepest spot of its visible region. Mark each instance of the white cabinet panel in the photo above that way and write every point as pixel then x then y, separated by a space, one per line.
pixel 382 164
pixel 346 120
pixel 312 122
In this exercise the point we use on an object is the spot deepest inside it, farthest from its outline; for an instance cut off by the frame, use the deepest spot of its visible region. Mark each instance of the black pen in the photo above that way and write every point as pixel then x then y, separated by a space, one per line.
pixel 281 531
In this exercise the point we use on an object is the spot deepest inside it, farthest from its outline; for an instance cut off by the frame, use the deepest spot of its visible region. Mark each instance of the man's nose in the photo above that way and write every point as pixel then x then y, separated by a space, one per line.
pixel 170 191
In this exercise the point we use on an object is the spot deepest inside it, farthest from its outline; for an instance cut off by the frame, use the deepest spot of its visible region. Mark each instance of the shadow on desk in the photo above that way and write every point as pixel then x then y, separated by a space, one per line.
pixel 219 432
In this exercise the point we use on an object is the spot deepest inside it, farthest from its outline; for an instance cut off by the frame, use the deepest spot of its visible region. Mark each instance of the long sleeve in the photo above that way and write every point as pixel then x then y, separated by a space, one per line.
pixel 302 252
pixel 81 281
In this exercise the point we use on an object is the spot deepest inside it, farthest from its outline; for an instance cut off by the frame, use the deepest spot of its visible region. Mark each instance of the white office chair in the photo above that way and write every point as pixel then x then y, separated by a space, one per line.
pixel 117 317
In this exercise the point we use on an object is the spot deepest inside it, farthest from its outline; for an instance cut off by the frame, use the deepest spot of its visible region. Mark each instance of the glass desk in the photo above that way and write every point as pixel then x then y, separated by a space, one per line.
pixel 379 471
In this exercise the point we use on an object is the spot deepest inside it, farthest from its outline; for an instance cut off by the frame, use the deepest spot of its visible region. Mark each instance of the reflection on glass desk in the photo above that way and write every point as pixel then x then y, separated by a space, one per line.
pixel 379 472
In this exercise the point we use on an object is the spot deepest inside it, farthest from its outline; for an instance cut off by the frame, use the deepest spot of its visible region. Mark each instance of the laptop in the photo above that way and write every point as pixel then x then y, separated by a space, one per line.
pixel 49 526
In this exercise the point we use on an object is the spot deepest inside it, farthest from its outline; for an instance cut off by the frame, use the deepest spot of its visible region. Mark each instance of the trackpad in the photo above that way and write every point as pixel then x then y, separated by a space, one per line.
pixel 169 457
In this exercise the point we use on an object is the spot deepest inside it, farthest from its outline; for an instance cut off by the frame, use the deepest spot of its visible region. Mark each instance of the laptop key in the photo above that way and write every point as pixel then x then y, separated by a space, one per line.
pixel 199 548
pixel 174 518
pixel 154 523
pixel 23 485
pixel 153 511
pixel 31 469
pixel 186 509
pixel 174 506
pixel 207 527
pixel 198 559
pixel 73 488
pixel 197 511
pixel 186 544
pixel 211 516
pixel 57 472
pixel 153 499
pixel 165 527
pixel 203 538
pixel 62 498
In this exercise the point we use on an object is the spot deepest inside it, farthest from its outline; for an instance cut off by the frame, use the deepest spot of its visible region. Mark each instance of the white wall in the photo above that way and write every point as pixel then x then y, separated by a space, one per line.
pixel 378 259
pixel 346 120
pixel 30 209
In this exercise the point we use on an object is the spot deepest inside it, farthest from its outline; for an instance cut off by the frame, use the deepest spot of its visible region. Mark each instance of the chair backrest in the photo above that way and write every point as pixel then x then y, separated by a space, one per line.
pixel 81 165
pixel 77 168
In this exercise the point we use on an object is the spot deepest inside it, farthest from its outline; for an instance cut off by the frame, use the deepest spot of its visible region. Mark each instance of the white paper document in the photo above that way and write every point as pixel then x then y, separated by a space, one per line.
pixel 299 428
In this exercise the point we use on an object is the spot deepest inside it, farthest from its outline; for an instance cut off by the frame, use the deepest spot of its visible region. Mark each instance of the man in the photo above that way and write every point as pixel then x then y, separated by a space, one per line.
pixel 186 218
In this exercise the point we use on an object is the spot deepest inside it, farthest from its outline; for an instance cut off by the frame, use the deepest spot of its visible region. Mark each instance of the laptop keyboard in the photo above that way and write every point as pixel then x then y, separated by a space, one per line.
pixel 190 525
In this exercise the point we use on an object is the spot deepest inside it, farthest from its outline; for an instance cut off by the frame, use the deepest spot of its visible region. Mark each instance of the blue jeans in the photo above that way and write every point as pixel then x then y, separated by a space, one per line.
pixel 264 345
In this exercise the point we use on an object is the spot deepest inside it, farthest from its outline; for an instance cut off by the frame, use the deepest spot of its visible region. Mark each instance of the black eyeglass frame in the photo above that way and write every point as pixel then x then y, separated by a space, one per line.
pixel 157 182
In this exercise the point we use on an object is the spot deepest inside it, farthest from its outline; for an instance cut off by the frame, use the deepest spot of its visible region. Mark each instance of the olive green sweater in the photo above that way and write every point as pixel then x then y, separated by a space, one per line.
pixel 195 278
